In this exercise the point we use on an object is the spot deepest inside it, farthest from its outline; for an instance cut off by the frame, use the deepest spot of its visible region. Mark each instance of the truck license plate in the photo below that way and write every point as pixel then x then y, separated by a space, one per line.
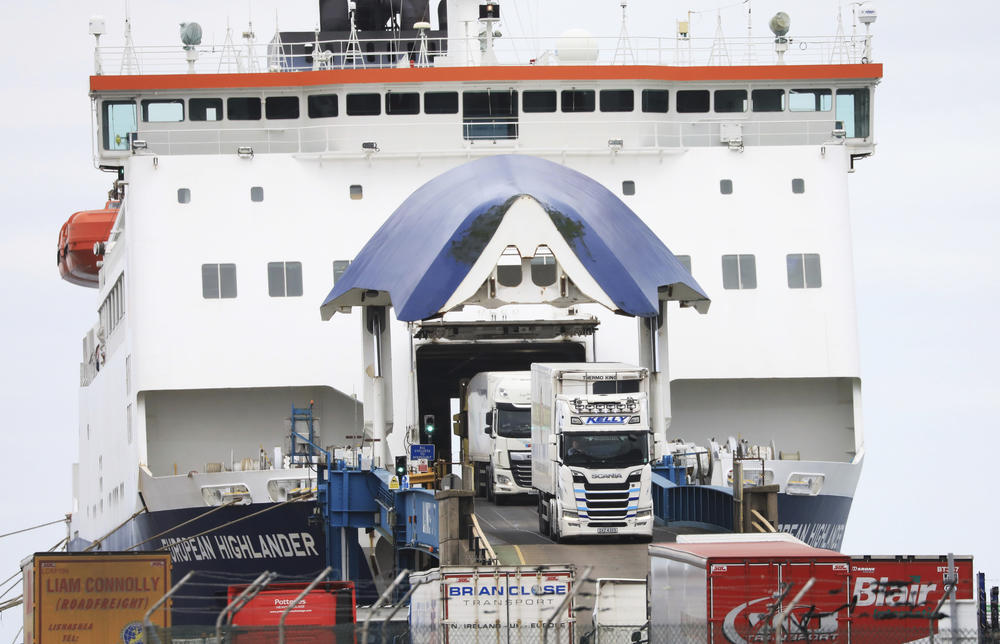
pixel 607 530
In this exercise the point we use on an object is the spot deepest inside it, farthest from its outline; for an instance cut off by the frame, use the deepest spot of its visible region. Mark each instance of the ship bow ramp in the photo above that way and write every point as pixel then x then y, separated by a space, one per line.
pixel 455 239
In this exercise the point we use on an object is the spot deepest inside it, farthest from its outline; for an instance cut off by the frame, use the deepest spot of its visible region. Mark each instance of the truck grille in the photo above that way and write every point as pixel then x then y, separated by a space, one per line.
pixel 521 470
pixel 607 503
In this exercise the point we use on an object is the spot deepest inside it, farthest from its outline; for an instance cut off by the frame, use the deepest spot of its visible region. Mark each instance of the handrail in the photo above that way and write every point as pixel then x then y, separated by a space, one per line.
pixel 381 600
pixel 295 602
pixel 477 533
pixel 146 621
pixel 562 605
pixel 255 586
pixel 390 52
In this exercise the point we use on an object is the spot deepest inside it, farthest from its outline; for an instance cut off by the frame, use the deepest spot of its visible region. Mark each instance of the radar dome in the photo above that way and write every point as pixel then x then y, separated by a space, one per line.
pixel 190 34
pixel 779 24
pixel 576 46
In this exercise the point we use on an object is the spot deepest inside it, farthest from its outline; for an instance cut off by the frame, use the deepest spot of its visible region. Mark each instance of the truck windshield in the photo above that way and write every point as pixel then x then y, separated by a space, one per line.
pixel 606 449
pixel 513 422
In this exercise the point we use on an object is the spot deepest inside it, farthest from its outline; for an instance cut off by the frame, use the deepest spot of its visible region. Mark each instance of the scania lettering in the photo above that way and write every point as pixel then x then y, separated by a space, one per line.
pixel 591 449
pixel 498 404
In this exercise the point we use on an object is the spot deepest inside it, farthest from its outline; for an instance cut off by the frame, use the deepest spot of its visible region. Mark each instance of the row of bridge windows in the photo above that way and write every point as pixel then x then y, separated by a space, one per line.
pixel 852 106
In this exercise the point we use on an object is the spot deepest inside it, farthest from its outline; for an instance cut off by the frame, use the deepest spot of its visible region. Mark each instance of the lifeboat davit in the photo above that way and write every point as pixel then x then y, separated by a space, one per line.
pixel 75 254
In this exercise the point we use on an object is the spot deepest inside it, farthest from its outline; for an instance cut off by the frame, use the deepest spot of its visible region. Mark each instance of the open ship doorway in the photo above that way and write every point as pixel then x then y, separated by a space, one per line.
pixel 442 366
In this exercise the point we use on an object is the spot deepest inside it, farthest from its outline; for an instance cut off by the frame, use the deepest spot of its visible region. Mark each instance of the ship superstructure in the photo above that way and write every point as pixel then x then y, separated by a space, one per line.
pixel 244 196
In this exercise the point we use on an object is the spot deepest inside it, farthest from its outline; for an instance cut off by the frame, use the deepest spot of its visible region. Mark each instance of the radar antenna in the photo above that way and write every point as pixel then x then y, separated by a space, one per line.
pixel 624 46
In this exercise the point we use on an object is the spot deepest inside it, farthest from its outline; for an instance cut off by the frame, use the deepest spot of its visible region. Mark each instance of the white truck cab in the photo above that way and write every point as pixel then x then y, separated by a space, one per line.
pixel 592 449
pixel 499 432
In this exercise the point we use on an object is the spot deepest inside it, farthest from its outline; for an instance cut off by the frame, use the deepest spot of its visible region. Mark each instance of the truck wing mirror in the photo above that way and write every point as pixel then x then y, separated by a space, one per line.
pixel 489 423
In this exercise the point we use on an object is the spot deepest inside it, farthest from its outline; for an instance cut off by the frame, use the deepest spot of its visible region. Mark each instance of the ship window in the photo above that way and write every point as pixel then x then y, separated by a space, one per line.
pixel 726 186
pixel 284 279
pixel 256 193
pixel 118 122
pixel 364 104
pixel 810 100
pixel 218 281
pixel 281 107
pixel 730 100
pixel 184 195
pixel 339 266
pixel 803 270
pixel 768 100
pixel 322 106
pixel 441 102
pixel 578 100
pixel 243 108
pixel 628 188
pixel 655 100
pixel 509 267
pixel 739 272
pixel 685 261
pixel 402 103
pixel 853 108
pixel 692 100
pixel 163 110
pixel 489 115
pixel 543 267
pixel 536 101
pixel 798 186
pixel 617 100
pixel 205 109
pixel 357 192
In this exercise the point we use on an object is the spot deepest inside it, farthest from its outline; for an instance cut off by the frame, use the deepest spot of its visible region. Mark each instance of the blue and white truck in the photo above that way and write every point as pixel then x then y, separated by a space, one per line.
pixel 592 446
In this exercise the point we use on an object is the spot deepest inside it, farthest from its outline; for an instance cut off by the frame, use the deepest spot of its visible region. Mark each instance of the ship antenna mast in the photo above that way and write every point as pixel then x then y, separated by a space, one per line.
pixel 624 46
pixel 353 44
pixel 130 62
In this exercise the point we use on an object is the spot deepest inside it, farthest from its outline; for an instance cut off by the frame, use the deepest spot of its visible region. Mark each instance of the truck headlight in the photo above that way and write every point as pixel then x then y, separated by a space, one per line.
pixel 570 514
pixel 502 479
pixel 642 514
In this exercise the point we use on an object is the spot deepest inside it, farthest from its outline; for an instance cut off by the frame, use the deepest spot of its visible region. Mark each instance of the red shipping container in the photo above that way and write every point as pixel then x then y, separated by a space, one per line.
pixel 894 598
pixel 742 585
pixel 329 604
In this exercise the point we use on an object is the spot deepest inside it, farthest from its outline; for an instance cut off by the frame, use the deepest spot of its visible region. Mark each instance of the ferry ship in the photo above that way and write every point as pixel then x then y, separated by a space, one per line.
pixel 248 178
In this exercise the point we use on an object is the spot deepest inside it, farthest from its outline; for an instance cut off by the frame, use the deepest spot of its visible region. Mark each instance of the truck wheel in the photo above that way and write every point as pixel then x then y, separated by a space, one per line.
pixel 554 525
pixel 543 524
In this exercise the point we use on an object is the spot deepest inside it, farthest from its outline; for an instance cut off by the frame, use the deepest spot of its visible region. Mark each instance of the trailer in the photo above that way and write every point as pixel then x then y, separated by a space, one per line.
pixel 492 604
pixel 93 598
pixel 732 591
pixel 619 610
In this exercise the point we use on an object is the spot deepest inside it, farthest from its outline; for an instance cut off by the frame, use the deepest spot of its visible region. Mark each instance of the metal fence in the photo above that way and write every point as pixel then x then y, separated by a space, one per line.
pixel 398 632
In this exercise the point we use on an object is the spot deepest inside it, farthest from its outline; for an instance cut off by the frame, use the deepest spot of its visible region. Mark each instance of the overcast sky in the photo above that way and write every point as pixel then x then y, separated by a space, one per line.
pixel 926 230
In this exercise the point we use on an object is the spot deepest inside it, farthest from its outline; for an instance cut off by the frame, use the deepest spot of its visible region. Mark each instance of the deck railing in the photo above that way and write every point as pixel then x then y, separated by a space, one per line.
pixel 374 53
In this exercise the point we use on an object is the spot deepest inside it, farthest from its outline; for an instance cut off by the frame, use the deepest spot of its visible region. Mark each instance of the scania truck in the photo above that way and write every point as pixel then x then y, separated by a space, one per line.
pixel 499 417
pixel 591 449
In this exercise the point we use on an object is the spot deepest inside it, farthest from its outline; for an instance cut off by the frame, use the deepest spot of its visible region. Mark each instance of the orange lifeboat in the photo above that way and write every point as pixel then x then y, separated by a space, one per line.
pixel 75 255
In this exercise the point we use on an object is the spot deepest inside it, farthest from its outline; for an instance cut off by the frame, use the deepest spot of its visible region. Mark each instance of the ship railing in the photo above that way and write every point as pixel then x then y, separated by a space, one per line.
pixel 567 133
pixel 389 53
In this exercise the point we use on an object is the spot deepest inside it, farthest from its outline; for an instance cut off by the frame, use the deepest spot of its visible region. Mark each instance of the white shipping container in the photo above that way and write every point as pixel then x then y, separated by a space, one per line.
pixel 496 604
